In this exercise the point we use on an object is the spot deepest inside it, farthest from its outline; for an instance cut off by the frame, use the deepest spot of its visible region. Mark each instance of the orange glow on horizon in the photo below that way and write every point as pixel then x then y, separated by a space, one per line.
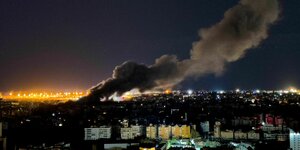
pixel 44 96
pixel 168 91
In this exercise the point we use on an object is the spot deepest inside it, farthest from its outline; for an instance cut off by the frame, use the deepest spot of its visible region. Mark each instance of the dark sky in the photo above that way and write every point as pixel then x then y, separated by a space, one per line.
pixel 68 45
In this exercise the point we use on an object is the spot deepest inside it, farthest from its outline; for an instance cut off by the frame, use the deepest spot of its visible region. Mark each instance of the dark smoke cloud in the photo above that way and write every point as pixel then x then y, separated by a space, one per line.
pixel 243 27
pixel 131 75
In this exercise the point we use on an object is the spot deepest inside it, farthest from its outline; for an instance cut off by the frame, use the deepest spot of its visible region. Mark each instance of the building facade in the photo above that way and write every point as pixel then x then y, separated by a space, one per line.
pixel 2 138
pixel 166 132
pixel 294 140
pixel 132 132
pixel 151 131
pixel 97 133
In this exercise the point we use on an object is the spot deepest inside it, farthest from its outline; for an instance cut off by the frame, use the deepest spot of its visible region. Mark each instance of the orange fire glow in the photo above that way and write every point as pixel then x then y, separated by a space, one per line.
pixel 42 96
pixel 168 91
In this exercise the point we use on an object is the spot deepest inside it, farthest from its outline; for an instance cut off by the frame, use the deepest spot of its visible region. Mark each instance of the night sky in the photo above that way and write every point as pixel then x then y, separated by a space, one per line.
pixel 72 45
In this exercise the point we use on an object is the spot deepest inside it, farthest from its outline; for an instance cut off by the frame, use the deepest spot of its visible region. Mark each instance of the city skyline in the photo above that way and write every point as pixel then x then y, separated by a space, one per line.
pixel 149 75
pixel 57 45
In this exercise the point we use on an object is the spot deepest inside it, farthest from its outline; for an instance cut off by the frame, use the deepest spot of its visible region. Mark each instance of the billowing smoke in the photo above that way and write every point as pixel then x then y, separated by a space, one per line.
pixel 243 27
pixel 166 72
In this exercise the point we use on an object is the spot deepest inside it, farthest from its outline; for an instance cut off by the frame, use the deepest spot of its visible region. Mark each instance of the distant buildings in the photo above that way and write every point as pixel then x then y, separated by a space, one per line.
pixel 269 132
pixel 183 131
pixel 166 132
pixel 102 132
pixel 243 116
pixel 230 134
pixel 132 132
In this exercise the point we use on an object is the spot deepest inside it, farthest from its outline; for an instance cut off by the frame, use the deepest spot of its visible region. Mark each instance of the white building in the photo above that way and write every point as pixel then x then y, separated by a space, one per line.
pixel 294 140
pixel 205 126
pixel 126 133
pixel 132 132
pixel 102 132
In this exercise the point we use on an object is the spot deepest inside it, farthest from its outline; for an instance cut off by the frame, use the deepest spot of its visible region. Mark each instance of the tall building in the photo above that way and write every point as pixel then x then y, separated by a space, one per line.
pixel 176 131
pixel 126 133
pixel 164 132
pixel 204 126
pixel 217 130
pixel 2 138
pixel 151 132
pixel 294 140
pixel 183 131
pixel 102 132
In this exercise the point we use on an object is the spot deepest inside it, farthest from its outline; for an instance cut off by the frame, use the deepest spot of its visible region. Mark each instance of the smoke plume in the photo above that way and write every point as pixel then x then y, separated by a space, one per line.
pixel 244 26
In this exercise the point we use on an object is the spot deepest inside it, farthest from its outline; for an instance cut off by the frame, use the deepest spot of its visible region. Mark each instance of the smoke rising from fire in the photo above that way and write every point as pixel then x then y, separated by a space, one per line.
pixel 244 26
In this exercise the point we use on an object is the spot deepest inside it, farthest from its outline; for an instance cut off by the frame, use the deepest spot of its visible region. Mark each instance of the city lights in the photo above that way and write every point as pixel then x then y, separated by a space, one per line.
pixel 190 92
pixel 221 92
pixel 41 96
pixel 293 90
